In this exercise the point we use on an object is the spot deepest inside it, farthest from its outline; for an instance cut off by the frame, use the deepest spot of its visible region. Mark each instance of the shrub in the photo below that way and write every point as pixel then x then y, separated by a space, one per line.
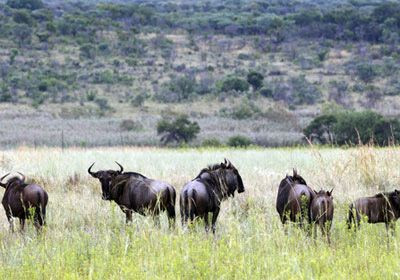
pixel 266 92
pixel 102 103
pixel 25 4
pixel 212 142
pixel 351 127
pixel 255 79
pixel 233 83
pixel 239 141
pixel 178 89
pixel 87 51
pixel 179 130
pixel 366 71
pixel 130 125
pixel 138 100
pixel 304 92
pixel 245 110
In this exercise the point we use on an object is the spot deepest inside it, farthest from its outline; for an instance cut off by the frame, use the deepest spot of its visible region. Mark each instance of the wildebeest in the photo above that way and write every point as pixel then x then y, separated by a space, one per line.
pixel 294 198
pixel 205 193
pixel 134 192
pixel 23 201
pixel 321 212
pixel 380 208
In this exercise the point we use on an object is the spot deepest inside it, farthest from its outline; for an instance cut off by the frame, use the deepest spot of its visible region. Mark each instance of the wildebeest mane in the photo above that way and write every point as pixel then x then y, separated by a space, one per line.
pixel 16 180
pixel 216 180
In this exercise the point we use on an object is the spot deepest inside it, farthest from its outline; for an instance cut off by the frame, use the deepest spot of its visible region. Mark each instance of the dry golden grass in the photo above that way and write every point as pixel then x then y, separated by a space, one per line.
pixel 86 238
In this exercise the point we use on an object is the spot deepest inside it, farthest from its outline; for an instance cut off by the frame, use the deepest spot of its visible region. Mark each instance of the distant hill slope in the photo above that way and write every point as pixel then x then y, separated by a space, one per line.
pixel 272 65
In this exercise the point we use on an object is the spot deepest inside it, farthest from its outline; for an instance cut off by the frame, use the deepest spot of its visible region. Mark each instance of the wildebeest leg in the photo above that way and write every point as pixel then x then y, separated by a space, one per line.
pixel 156 219
pixel 171 216
pixel 11 221
pixel 206 223
pixel 214 219
pixel 22 224
pixel 314 225
pixel 128 214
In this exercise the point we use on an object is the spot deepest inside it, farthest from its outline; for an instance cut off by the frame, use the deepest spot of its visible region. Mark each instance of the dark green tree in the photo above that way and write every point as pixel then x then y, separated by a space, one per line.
pixel 255 79
pixel 179 130
pixel 25 4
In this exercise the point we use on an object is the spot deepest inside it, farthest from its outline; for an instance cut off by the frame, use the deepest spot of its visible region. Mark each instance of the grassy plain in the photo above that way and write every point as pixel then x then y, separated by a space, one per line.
pixel 86 238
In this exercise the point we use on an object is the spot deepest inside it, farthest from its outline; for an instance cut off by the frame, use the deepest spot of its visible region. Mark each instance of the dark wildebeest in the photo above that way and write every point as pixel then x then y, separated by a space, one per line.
pixel 381 208
pixel 134 192
pixel 321 212
pixel 294 198
pixel 205 193
pixel 23 201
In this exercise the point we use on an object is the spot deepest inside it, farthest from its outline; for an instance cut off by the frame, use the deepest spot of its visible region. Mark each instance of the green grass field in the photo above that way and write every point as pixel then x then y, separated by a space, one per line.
pixel 86 237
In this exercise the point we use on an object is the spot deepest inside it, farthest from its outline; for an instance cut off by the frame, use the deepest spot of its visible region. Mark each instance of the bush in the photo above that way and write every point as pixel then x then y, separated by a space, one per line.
pixel 233 83
pixel 366 71
pixel 25 4
pixel 179 130
pixel 351 127
pixel 239 141
pixel 178 89
pixel 102 103
pixel 212 142
pixel 255 79
pixel 130 125
pixel 245 110
pixel 266 92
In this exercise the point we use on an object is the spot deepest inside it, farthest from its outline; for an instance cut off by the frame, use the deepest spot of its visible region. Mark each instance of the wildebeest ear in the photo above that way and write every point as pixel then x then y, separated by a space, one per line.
pixel 397 191
pixel 294 172
pixel 2 185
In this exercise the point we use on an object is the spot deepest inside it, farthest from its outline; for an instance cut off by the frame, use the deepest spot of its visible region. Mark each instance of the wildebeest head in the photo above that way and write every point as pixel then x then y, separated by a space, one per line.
pixel 105 177
pixel 324 193
pixel 395 199
pixel 13 181
pixel 233 179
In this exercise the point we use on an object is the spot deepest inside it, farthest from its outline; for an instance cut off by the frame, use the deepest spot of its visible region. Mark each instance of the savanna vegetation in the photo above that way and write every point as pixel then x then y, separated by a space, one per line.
pixel 86 237
pixel 260 69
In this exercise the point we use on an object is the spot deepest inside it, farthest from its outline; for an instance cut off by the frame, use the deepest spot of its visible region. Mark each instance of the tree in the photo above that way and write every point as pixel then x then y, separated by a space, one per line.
pixel 255 79
pixel 351 127
pixel 233 83
pixel 25 4
pixel 179 130
pixel 22 34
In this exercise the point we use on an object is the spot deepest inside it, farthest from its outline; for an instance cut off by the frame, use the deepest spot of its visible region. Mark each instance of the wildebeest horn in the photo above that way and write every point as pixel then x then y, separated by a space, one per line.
pixel 122 169
pixel 330 193
pixel 90 170
pixel 1 184
pixel 23 176
pixel 294 172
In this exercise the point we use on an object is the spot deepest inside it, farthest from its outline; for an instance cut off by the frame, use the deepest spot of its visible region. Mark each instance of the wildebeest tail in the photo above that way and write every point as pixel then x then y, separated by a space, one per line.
pixel 40 210
pixel 170 204
pixel 192 205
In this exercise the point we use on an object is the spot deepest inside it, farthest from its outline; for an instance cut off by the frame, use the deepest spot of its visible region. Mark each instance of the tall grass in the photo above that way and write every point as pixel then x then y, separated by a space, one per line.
pixel 86 238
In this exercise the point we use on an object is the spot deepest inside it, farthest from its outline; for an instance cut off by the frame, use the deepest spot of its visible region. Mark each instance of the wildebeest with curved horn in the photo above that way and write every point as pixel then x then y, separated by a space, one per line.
pixel 205 193
pixel 321 212
pixel 294 198
pixel 380 208
pixel 22 200
pixel 135 192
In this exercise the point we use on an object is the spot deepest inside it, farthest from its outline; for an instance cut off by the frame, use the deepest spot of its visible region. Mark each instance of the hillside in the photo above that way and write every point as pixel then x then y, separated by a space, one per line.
pixel 72 72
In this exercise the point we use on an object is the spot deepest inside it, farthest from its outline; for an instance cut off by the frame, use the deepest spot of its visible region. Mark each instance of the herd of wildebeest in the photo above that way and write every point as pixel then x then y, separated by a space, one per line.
pixel 133 192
